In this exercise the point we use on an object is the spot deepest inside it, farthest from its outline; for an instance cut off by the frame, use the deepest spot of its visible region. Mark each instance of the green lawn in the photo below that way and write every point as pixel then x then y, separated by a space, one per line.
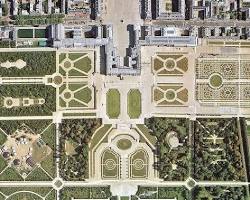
pixel 3 137
pixel 134 103
pixel 146 132
pixel 40 33
pixel 25 33
pixel 10 174
pixel 74 56
pixel 216 81
pixel 84 95
pixel 113 103
pixel 99 135
pixel 84 64
pixel 38 175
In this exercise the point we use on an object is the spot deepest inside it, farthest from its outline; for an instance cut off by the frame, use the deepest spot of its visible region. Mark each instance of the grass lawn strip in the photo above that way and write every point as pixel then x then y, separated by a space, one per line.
pixel 134 103
pixel 113 103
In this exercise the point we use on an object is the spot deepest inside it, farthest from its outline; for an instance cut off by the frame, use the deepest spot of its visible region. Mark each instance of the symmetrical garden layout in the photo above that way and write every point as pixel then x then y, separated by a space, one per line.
pixel 179 131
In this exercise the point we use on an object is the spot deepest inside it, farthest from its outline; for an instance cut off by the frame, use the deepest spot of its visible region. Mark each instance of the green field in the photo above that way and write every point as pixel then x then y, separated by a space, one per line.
pixel 113 103
pixel 134 103
pixel 25 33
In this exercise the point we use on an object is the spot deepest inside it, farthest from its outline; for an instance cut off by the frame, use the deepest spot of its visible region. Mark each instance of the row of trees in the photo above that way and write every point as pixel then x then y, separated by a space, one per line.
pixel 79 132
pixel 38 19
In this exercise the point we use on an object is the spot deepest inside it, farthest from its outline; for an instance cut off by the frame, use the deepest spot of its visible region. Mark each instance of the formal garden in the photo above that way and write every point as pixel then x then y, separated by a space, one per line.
pixel 170 95
pixel 37 63
pixel 169 64
pixel 17 106
pixel 138 164
pixel 27 193
pixel 76 96
pixel 76 64
pixel 113 103
pixel 110 165
pixel 172 147
pixel 218 146
pixel 27 150
pixel 74 141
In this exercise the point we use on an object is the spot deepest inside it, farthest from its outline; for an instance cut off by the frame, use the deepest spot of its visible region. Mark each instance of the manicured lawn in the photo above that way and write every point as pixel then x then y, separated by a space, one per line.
pixel 113 103
pixel 99 135
pixel 43 191
pixel 3 137
pixel 84 95
pixel 40 33
pixel 38 175
pixel 134 103
pixel 25 33
pixel 10 174
pixel 3 163
pixel 216 81
pixel 146 133
pixel 84 64
pixel 124 144
pixel 74 56
pixel 110 164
